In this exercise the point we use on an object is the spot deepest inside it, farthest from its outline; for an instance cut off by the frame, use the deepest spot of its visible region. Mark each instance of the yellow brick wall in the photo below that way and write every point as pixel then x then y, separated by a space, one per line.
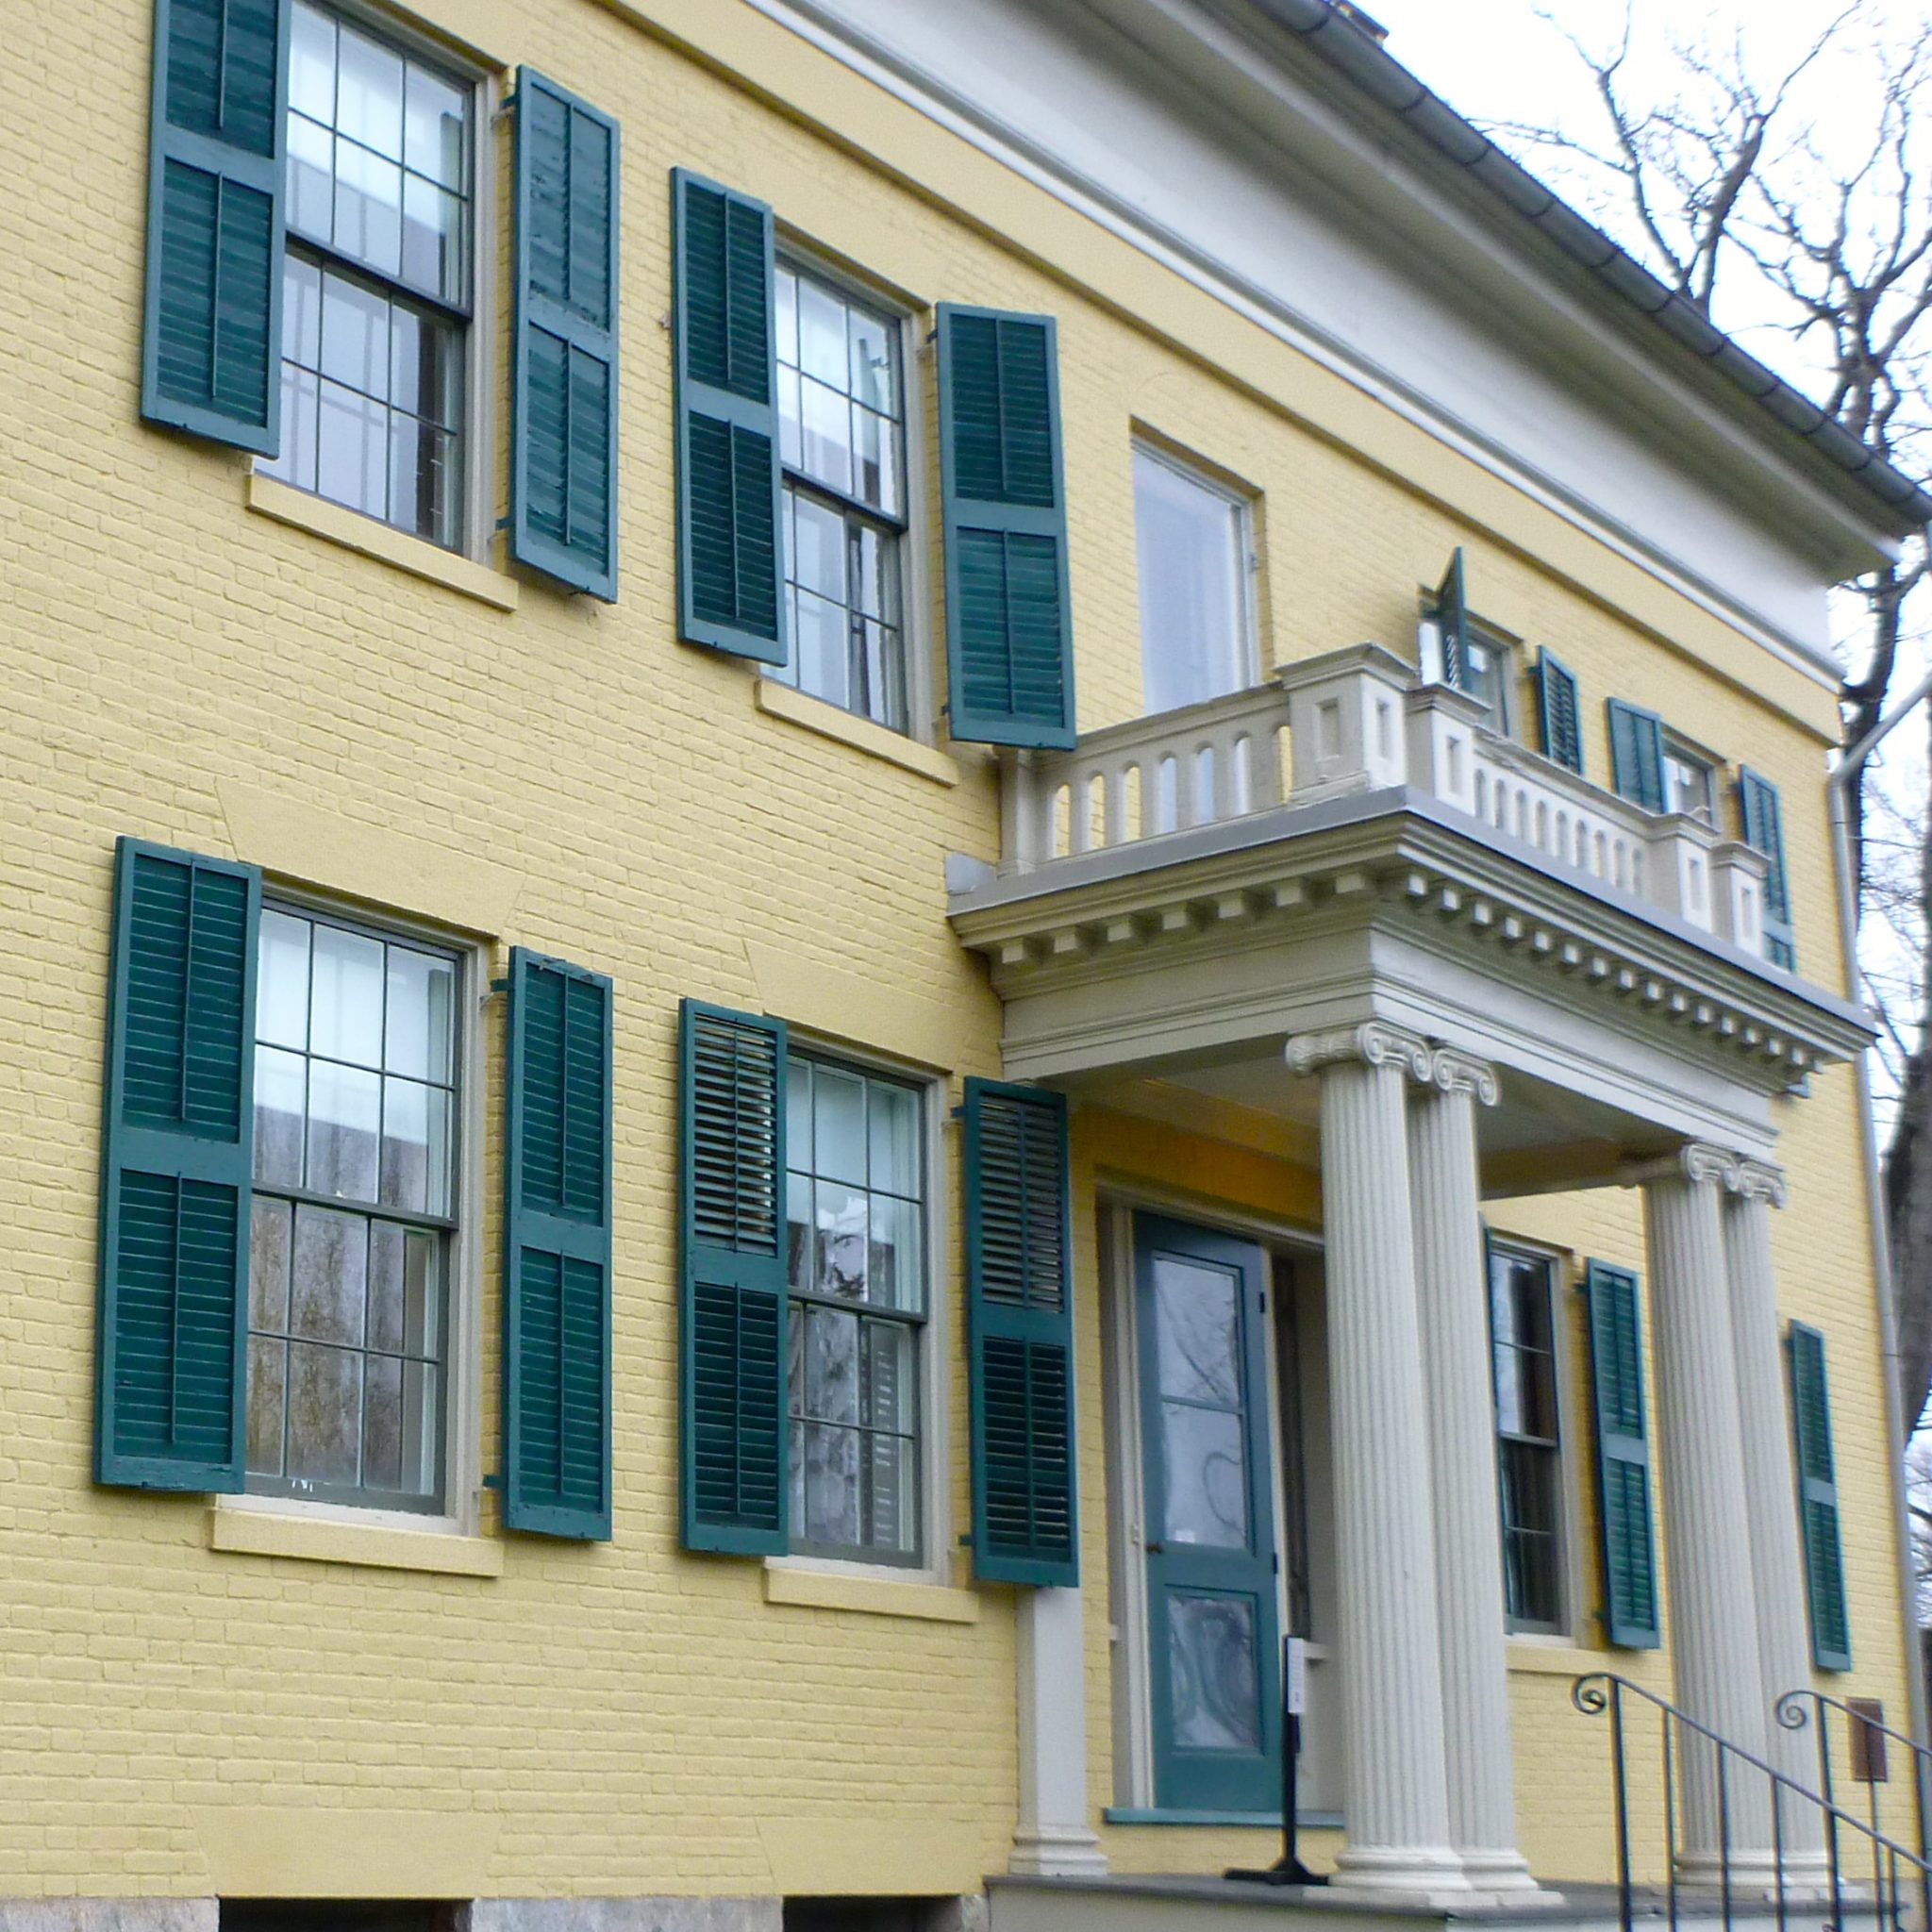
pixel 626 1719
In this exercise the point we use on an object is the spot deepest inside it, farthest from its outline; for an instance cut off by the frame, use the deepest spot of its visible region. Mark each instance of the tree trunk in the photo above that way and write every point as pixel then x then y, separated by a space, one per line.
pixel 1909 1189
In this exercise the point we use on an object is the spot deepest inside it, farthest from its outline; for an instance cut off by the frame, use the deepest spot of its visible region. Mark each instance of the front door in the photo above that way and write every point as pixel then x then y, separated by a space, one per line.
pixel 1214 1663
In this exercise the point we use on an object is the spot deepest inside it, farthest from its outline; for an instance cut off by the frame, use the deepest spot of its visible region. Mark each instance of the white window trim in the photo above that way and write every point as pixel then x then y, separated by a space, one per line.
pixel 1203 475
pixel 935 1491
pixel 917 644
pixel 480 359
pixel 463 1448
pixel 1575 1559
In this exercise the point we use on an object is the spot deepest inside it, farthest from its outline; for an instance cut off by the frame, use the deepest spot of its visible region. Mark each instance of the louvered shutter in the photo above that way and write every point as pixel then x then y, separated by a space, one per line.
pixel 730 592
pixel 1636 753
pixel 1562 724
pixel 212 330
pixel 1758 805
pixel 1452 623
pixel 732 1228
pixel 556 1250
pixel 1624 1506
pixel 1009 639
pixel 564 466
pixel 1824 1575
pixel 170 1399
pixel 1020 1322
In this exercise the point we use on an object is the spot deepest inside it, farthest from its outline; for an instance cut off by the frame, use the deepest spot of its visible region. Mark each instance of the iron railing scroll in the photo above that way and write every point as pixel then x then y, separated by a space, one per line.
pixel 1692 1753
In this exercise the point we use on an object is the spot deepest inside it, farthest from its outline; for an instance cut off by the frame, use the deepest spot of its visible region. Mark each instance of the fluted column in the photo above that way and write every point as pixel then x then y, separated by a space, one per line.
pixel 1777 1569
pixel 1395 1800
pixel 1453 1300
pixel 1720 1678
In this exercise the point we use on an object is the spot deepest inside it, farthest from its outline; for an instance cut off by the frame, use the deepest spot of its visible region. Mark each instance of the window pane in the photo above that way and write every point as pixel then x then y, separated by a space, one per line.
pixel 421 479
pixel 821 352
pixel 876 461
pixel 281 992
pixel 281 1085
pixel 270 1239
pixel 788 316
pixel 355 336
pixel 268 1364
pixel 311 179
pixel 831 1365
pixel 312 64
pixel 1193 622
pixel 369 208
pixel 895 1270
pixel 403 1290
pixel 302 311
pixel 818 548
pixel 351 450
pixel 330 1278
pixel 826 421
pixel 831 1484
pixel 345 1120
pixel 871 363
pixel 798 1230
pixel 839 1125
pixel 300 404
pixel 346 1021
pixel 1212 1676
pixel 324 1413
pixel 369 94
pixel 433 138
pixel 791 436
pixel 1198 1333
pixel 1205 1469
pixel 842 1240
pixel 892 1377
pixel 432 240
pixel 893 1126
pixel 822 641
pixel 420 1014
pixel 415 1147
pixel 893 1502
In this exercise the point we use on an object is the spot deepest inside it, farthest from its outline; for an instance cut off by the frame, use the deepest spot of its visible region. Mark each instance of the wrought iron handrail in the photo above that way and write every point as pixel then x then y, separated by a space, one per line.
pixel 1601 1691
pixel 1792 1713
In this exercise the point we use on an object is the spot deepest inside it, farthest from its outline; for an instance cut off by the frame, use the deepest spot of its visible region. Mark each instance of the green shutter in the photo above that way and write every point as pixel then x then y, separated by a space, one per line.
pixel 1637 755
pixel 1824 1574
pixel 733 1309
pixel 1562 722
pixel 170 1394
pixel 564 467
pixel 1623 1450
pixel 1020 1333
pixel 556 1251
pixel 1451 623
pixel 731 589
pixel 1758 805
pixel 1010 637
pixel 212 328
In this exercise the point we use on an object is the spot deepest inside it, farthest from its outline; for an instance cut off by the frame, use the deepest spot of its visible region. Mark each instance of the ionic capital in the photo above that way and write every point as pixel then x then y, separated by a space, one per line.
pixel 1451 1072
pixel 1759 1180
pixel 1374 1043
pixel 1699 1162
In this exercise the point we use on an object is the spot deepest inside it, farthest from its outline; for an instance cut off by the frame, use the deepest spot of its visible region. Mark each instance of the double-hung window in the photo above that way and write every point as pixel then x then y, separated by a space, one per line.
pixel 842 423
pixel 376 279
pixel 355 1110
pixel 856 1254
pixel 1529 1452
pixel 1191 546
pixel 1689 781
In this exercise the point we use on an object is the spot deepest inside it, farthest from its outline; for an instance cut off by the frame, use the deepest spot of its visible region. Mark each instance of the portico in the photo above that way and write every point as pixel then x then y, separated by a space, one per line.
pixel 1437 1005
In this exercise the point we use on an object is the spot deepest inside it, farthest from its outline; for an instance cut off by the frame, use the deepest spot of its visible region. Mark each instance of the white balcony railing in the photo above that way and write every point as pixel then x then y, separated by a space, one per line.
pixel 1354 721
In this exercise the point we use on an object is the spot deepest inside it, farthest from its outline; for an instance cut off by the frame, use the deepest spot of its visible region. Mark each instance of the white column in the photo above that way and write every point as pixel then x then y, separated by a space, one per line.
pixel 1453 1297
pixel 1055 1836
pixel 1713 1630
pixel 1777 1569
pixel 1395 1797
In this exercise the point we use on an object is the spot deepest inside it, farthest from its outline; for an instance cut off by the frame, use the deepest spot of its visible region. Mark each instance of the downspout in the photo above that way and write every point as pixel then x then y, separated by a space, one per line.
pixel 1839 787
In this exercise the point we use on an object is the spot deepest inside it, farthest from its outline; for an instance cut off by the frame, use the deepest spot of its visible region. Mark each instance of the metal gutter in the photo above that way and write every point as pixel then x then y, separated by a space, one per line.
pixel 1357 57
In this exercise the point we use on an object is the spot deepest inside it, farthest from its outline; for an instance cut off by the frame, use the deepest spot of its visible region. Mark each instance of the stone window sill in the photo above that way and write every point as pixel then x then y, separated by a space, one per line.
pixel 935 1603
pixel 259 1532
pixel 1532 1656
pixel 782 701
pixel 1258 1821
pixel 354 531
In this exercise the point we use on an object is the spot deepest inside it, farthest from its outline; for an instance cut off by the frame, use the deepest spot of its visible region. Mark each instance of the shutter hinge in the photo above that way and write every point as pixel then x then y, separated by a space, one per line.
pixel 499 986
pixel 965 1538
pixel 504 522
pixel 494 1481
pixel 504 109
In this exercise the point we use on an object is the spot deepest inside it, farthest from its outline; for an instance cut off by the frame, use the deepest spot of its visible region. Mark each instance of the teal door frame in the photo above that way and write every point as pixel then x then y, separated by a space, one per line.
pixel 1227 1589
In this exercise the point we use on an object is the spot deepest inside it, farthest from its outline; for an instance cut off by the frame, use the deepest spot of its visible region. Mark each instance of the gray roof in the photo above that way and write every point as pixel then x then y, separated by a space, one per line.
pixel 1357 57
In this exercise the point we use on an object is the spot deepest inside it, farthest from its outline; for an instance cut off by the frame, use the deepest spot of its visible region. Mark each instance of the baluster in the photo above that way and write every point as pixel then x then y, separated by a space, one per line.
pixel 1114 824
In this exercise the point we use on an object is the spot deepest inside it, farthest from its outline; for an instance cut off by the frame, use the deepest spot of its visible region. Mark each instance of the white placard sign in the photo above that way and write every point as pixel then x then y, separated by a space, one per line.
pixel 1294 1690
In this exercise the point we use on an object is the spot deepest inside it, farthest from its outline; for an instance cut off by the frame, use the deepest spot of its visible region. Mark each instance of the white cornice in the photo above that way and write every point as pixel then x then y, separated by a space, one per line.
pixel 830 26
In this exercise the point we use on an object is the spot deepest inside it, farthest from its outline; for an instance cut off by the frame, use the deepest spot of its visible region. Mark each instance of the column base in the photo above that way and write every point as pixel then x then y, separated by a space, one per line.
pixel 1754 1874
pixel 1425 1876
pixel 1057 1850
pixel 1503 1880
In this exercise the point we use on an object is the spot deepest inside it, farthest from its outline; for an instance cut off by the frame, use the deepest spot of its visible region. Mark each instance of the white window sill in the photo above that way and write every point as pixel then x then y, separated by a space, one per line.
pixel 270 1530
pixel 844 1590
pixel 782 701
pixel 354 531
pixel 1533 1654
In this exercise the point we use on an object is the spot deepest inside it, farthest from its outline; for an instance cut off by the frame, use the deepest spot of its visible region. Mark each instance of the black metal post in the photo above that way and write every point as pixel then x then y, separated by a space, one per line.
pixel 1288 1869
